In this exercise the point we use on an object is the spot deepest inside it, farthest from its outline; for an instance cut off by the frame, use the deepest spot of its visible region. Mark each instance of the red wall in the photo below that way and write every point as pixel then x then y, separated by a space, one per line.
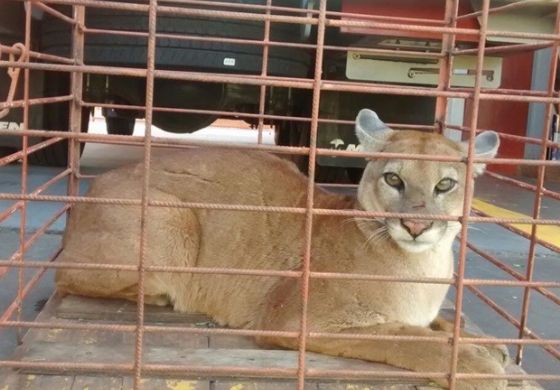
pixel 425 9
pixel 507 117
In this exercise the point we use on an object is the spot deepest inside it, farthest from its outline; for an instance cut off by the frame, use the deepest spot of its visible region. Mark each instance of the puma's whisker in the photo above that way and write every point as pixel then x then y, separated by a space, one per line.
pixel 376 235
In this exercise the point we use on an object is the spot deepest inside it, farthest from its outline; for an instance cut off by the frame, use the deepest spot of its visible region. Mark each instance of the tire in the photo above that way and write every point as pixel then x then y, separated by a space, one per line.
pixel 120 125
pixel 115 50
pixel 354 174
pixel 296 134
pixel 57 117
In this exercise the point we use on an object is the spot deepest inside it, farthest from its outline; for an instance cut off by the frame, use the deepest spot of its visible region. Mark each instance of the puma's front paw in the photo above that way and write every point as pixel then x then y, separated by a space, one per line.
pixel 481 360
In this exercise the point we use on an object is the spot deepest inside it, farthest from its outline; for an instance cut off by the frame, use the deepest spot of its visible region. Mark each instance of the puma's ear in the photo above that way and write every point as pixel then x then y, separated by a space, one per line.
pixel 371 131
pixel 485 146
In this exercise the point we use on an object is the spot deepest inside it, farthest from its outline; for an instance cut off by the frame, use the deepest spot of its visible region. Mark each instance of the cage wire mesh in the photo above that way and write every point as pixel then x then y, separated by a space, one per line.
pixel 295 86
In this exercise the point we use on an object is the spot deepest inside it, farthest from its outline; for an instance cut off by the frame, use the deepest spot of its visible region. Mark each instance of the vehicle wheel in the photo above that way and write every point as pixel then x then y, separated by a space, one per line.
pixel 120 125
pixel 354 174
pixel 57 117
pixel 296 134
pixel 328 174
pixel 223 57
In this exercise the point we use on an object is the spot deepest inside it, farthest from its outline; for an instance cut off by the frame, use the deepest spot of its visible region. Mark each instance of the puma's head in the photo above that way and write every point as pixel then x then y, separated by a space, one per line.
pixel 415 186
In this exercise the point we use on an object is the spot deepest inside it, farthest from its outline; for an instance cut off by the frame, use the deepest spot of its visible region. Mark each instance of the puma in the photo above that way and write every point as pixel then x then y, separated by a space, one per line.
pixel 109 234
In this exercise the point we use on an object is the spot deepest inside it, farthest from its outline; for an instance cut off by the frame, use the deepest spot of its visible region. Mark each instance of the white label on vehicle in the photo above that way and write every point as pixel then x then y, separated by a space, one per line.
pixel 11 126
pixel 339 144
pixel 229 61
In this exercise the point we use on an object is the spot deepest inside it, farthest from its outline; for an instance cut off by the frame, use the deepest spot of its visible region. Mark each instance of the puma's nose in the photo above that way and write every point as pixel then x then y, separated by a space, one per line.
pixel 415 227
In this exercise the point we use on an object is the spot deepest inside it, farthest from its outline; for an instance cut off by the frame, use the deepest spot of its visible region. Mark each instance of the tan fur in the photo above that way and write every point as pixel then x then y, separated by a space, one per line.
pixel 109 234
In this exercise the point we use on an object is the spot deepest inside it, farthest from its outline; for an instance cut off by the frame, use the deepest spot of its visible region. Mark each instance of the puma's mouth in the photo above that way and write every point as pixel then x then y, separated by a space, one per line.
pixel 414 236
pixel 414 246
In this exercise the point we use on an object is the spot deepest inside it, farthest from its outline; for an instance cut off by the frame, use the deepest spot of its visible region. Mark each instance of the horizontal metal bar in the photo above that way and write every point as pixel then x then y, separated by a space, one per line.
pixel 388 18
pixel 159 141
pixel 439 30
pixel 275 81
pixel 284 118
pixel 223 370
pixel 508 92
pixel 254 42
pixel 187 11
pixel 269 372
pixel 37 55
pixel 199 38
pixel 36 101
pixel 161 329
pixel 83 367
pixel 276 273
pixel 519 377
pixel 172 142
pixel 147 328
pixel 243 6
pixel 502 49
pixel 517 138
pixel 237 114
pixel 302 20
pixel 274 209
pixel 162 10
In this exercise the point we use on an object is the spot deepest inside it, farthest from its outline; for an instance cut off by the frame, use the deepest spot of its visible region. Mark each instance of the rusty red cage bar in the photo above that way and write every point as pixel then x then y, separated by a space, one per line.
pixel 23 207
pixel 296 19
pixel 111 138
pixel 446 63
pixel 312 151
pixel 264 72
pixel 301 83
pixel 540 184
pixel 469 192
pixel 306 266
pixel 162 141
pixel 152 19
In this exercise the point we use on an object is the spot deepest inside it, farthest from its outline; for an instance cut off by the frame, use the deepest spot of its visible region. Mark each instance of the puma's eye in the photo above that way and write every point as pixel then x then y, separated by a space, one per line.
pixel 393 180
pixel 445 185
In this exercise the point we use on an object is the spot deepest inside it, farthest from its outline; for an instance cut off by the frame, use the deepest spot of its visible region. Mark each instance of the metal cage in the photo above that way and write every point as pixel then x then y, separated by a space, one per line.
pixel 23 59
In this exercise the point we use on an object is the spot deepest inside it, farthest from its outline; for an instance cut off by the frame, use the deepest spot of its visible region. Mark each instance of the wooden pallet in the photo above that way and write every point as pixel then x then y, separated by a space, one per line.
pixel 57 345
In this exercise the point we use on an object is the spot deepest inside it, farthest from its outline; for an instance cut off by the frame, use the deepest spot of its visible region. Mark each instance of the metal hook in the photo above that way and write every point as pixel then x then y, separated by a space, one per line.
pixel 13 72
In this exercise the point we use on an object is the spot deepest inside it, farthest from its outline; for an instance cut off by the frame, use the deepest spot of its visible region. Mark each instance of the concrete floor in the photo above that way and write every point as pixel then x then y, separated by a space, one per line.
pixel 544 316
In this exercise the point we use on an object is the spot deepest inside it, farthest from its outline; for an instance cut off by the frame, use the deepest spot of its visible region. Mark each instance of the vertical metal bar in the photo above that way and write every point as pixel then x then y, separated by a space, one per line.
pixel 24 168
pixel 76 87
pixel 310 189
pixel 539 189
pixel 264 72
pixel 446 64
pixel 152 20
pixel 469 189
